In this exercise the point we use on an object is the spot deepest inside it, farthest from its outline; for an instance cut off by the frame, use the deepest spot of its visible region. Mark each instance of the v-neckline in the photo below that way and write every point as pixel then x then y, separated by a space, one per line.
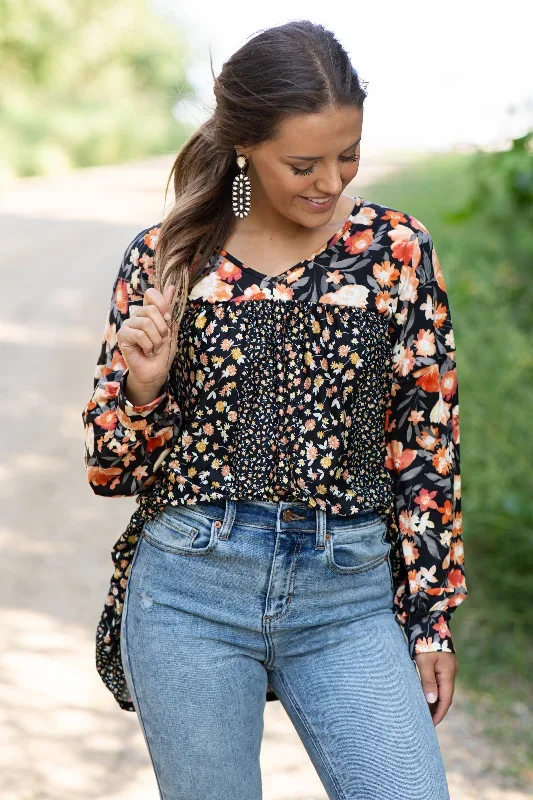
pixel 358 201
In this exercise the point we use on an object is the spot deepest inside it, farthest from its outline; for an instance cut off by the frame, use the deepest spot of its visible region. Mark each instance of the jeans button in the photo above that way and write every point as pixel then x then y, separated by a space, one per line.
pixel 287 515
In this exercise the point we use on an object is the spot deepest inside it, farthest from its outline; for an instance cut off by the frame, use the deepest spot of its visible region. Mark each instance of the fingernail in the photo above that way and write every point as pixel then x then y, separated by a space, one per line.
pixel 167 317
pixel 431 697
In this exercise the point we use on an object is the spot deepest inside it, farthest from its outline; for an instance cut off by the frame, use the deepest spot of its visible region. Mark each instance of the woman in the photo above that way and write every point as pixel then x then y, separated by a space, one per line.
pixel 277 386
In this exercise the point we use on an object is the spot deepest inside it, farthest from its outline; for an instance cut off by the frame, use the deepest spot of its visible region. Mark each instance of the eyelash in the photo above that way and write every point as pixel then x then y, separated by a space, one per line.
pixel 309 170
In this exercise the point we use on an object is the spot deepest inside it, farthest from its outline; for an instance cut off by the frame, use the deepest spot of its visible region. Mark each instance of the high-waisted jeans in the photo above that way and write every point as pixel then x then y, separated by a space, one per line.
pixel 228 596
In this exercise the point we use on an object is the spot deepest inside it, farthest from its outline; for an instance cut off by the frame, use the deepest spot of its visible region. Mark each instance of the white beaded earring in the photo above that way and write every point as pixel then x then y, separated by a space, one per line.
pixel 241 190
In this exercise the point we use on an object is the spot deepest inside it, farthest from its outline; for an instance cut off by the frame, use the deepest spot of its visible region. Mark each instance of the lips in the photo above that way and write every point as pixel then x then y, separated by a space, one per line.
pixel 318 204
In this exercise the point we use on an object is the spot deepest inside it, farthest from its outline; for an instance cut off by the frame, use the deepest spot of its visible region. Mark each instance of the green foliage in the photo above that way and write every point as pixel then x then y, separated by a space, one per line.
pixel 502 195
pixel 87 83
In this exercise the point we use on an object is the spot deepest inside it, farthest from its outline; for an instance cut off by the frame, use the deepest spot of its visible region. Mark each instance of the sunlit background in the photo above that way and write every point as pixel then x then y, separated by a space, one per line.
pixel 440 75
pixel 97 98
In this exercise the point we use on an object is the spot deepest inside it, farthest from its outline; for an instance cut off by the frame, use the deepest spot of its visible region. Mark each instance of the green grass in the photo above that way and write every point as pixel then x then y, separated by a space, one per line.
pixel 486 265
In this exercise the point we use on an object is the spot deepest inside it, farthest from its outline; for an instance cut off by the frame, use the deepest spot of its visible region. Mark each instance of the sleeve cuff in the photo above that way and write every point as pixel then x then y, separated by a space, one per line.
pixel 429 633
pixel 140 416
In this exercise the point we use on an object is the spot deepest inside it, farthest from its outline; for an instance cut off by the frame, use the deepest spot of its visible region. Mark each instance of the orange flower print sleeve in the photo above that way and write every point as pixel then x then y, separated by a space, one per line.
pixel 422 439
pixel 125 444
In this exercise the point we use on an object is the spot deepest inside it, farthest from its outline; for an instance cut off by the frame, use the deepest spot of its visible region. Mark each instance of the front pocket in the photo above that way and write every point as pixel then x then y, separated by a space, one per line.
pixel 178 532
pixel 357 549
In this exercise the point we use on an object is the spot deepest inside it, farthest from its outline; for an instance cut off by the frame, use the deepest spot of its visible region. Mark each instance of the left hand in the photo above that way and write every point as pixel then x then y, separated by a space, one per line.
pixel 437 673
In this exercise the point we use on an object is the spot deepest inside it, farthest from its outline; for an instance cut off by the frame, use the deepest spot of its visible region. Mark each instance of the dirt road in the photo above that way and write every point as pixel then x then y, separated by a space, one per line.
pixel 62 735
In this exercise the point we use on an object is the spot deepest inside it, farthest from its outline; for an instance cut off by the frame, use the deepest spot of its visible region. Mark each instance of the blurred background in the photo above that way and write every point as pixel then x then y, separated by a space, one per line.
pixel 96 100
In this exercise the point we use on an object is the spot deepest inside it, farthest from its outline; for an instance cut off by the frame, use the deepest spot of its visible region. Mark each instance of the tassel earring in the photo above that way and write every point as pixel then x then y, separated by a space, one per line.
pixel 241 190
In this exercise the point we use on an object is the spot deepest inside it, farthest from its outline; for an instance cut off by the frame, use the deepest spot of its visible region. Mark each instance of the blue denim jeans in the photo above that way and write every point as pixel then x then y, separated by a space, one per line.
pixel 228 596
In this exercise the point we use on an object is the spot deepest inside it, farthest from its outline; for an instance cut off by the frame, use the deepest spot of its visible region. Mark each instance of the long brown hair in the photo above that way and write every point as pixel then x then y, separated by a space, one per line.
pixel 295 68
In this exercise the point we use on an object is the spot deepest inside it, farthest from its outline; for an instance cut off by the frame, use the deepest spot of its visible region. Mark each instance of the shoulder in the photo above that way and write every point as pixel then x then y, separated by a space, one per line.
pixel 137 266
pixel 145 240
pixel 390 218
pixel 406 236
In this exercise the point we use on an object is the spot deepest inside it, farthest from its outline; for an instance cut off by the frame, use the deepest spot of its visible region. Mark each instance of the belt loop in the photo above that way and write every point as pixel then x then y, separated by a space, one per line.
pixel 279 508
pixel 229 516
pixel 320 529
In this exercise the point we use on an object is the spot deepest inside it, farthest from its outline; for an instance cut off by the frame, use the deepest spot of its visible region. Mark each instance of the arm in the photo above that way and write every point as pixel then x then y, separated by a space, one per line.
pixel 422 437
pixel 125 443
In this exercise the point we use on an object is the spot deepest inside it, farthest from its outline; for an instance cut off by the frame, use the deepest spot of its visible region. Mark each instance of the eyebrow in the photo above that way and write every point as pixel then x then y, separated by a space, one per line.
pixel 318 158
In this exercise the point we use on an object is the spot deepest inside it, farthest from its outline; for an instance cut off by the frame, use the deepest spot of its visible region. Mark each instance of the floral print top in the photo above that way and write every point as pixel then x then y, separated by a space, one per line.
pixel 332 383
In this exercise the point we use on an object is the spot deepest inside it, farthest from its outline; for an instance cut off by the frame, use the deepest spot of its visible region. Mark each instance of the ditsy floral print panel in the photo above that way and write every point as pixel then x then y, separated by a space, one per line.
pixel 333 383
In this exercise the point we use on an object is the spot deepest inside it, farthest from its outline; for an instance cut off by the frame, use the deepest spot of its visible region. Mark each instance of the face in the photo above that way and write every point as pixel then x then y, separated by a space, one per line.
pixel 313 156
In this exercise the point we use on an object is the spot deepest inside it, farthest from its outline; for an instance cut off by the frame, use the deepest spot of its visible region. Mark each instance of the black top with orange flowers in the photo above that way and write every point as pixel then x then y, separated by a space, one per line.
pixel 333 383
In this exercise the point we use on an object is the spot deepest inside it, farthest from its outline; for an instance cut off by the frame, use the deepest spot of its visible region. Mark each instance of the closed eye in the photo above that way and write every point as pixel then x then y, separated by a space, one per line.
pixel 310 170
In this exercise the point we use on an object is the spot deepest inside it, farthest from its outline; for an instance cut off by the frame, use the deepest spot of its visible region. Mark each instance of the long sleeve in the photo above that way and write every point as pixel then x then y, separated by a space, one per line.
pixel 124 443
pixel 422 438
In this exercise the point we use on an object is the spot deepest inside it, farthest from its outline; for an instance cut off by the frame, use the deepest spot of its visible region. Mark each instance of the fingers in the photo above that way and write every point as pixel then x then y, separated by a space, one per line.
pixel 150 320
pixel 134 333
pixel 153 297
pixel 445 684
pixel 437 674
pixel 149 326
pixel 426 667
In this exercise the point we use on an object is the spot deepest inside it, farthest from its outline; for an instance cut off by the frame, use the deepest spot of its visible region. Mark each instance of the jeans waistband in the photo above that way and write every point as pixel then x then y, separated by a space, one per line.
pixel 282 515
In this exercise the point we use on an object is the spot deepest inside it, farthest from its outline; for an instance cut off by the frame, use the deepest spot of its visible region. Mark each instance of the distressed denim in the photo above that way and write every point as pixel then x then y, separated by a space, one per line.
pixel 227 597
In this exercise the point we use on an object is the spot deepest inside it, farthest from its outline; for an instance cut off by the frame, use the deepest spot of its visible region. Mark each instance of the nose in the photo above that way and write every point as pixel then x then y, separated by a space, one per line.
pixel 330 181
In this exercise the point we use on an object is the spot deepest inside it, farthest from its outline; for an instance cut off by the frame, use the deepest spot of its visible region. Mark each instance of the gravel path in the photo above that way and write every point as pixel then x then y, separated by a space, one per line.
pixel 62 735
